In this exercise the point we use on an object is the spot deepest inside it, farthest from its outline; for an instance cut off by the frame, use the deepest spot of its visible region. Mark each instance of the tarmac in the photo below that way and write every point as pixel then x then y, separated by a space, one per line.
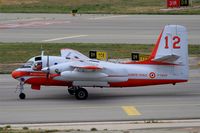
pixel 54 105
pixel 90 28
pixel 108 108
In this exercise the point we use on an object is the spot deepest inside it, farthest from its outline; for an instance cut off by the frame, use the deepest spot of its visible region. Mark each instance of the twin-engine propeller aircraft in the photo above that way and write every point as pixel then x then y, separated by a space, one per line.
pixel 168 64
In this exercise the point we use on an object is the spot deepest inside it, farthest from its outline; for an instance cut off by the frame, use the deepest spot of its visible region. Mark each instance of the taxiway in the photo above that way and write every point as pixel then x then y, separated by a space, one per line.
pixel 61 28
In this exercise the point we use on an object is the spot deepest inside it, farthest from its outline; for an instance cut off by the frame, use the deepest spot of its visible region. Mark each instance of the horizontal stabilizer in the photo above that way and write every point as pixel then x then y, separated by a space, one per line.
pixel 167 59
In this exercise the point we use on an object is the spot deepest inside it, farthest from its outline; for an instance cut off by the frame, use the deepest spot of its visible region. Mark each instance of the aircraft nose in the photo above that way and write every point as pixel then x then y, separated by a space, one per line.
pixel 16 74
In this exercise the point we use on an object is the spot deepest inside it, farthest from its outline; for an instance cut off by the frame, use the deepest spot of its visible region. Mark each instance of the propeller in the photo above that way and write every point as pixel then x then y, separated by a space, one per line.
pixel 48 69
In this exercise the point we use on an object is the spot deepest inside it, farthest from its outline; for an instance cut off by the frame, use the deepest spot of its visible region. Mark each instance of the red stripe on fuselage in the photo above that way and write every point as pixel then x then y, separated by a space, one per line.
pixel 18 74
pixel 40 78
pixel 144 82
pixel 46 81
pixel 149 62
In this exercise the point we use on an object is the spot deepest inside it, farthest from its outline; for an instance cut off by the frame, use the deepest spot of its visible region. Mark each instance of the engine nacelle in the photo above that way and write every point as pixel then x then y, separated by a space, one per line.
pixel 83 76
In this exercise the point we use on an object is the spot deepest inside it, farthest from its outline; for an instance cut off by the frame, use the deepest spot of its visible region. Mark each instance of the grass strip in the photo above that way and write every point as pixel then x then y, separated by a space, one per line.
pixel 93 6
pixel 13 54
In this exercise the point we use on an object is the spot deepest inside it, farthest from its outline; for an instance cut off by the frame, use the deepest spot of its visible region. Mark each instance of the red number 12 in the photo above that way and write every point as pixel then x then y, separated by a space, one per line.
pixel 176 41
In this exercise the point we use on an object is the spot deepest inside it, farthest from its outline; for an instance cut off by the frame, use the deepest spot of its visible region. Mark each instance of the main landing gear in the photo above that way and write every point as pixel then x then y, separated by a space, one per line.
pixel 78 92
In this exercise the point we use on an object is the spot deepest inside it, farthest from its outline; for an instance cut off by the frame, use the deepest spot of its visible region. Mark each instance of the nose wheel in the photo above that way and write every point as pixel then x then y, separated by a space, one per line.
pixel 22 96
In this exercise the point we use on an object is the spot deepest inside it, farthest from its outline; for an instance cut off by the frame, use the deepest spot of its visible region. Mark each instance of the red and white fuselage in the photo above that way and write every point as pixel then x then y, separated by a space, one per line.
pixel 168 64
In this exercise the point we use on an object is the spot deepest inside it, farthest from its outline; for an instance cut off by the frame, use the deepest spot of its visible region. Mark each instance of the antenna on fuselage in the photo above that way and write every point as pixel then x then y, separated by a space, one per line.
pixel 47 62
pixel 42 50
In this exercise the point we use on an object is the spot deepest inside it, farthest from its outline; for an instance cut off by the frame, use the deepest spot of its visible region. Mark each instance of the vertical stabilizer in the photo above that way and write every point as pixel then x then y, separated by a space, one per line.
pixel 172 47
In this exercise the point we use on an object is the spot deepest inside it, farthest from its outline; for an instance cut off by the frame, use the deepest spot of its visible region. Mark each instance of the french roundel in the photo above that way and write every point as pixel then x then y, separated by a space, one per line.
pixel 152 75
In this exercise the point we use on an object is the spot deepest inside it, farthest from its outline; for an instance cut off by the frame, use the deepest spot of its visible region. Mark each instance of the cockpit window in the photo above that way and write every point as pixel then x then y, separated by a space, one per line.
pixel 27 64
pixel 38 58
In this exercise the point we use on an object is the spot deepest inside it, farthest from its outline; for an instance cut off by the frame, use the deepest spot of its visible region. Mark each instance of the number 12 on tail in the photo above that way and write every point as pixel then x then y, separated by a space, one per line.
pixel 175 40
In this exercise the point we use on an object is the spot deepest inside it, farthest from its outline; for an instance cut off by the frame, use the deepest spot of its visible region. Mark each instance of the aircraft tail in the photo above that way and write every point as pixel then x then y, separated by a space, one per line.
pixel 172 47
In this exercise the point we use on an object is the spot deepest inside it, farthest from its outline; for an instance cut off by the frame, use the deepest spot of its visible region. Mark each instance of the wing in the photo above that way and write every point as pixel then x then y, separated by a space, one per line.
pixel 85 66
pixel 89 71
pixel 72 54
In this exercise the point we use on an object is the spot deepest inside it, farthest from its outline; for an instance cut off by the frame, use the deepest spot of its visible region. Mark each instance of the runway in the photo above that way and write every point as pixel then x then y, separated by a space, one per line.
pixel 50 28
pixel 53 104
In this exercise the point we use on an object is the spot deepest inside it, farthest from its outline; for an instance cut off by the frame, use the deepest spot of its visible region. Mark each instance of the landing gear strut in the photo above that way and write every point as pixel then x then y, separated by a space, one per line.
pixel 78 92
pixel 21 88
pixel 72 90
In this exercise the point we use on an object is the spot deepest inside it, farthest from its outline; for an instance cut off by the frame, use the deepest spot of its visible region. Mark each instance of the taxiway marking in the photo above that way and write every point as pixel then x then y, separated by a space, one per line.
pixel 131 110
pixel 62 38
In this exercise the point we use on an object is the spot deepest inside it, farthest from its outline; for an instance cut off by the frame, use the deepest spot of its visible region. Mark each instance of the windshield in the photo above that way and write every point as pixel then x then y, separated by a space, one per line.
pixel 28 64
pixel 32 62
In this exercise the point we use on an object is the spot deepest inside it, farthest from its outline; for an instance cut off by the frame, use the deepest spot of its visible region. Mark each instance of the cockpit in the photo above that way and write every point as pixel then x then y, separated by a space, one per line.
pixel 35 63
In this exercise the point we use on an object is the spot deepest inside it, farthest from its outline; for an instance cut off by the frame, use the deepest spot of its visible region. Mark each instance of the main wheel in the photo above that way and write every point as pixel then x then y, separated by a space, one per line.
pixel 22 96
pixel 81 94
pixel 71 91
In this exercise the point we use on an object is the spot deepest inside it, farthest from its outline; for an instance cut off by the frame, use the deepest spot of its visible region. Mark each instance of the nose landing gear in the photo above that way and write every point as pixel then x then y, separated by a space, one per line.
pixel 21 88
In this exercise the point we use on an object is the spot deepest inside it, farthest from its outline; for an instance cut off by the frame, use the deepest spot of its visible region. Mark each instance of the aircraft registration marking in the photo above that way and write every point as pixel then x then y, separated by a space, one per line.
pixel 150 75
pixel 131 110
pixel 138 75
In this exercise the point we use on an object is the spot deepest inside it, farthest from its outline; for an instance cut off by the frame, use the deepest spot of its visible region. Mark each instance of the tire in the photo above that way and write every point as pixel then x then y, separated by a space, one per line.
pixel 71 91
pixel 81 94
pixel 22 96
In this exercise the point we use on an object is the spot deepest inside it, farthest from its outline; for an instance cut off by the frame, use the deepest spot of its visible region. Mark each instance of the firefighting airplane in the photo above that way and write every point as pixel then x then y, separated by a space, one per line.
pixel 167 64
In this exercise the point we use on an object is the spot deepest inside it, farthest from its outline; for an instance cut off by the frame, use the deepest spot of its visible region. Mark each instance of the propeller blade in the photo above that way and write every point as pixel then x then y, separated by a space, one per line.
pixel 48 69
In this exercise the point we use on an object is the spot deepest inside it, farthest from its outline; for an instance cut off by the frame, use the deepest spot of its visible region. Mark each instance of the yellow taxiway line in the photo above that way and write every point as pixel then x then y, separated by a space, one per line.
pixel 131 110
